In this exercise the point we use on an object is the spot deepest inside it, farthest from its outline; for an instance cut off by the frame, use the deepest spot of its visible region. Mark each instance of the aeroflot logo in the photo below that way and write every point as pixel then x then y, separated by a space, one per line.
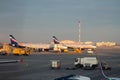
pixel 12 40
pixel 55 40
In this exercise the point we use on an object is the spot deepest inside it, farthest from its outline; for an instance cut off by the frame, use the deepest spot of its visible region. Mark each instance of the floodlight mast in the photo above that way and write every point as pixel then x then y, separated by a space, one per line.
pixel 79 30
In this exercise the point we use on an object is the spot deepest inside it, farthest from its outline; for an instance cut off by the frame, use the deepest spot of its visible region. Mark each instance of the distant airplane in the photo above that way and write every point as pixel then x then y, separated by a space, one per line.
pixel 55 40
pixel 16 43
pixel 81 46
pixel 58 46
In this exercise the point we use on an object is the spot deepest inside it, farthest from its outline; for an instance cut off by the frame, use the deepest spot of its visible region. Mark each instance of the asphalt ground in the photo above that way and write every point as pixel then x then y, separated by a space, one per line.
pixel 38 66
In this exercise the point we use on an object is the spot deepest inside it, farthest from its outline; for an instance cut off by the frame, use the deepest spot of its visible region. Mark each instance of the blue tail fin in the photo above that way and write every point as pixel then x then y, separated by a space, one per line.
pixel 55 40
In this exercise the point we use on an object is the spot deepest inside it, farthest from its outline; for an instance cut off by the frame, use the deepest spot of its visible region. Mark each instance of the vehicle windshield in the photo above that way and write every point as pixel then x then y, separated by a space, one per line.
pixel 87 64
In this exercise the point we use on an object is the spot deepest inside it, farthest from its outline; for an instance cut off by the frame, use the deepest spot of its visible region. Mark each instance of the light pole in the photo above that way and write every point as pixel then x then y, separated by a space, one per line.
pixel 79 30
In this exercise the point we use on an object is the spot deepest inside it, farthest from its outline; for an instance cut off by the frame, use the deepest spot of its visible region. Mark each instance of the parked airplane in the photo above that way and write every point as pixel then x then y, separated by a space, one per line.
pixel 55 47
pixel 55 40
pixel 16 43
pixel 58 46
pixel 81 46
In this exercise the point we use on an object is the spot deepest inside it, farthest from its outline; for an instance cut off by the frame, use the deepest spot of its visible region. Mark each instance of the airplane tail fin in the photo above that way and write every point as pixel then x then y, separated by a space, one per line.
pixel 13 41
pixel 55 40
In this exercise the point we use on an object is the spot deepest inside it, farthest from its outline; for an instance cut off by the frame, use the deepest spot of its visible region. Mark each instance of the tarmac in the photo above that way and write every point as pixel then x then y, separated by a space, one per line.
pixel 38 66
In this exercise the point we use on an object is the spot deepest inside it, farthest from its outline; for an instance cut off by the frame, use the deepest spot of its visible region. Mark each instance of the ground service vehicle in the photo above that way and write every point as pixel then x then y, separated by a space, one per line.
pixel 105 66
pixel 7 50
pixel 86 62
pixel 55 64
pixel 20 51
pixel 90 51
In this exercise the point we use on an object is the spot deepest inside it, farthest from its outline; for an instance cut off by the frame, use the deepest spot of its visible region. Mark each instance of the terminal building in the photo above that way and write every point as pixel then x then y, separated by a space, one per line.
pixel 107 44
pixel 98 44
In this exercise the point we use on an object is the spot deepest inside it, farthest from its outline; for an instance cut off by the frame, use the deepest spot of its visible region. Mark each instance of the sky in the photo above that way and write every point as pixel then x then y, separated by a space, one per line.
pixel 38 20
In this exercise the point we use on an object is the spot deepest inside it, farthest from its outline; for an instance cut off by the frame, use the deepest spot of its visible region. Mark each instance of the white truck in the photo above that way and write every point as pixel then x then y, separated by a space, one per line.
pixel 86 62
